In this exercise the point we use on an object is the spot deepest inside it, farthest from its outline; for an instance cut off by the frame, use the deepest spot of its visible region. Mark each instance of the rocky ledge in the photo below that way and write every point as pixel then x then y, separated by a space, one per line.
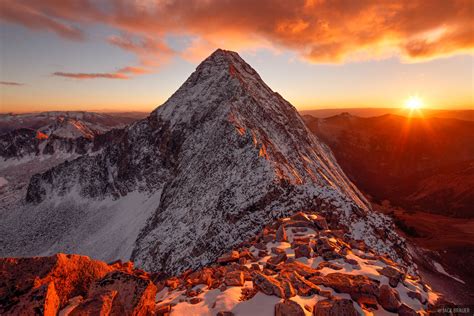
pixel 296 266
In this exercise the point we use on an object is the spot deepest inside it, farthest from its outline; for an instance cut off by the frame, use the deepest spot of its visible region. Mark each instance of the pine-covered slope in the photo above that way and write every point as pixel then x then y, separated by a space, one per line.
pixel 205 171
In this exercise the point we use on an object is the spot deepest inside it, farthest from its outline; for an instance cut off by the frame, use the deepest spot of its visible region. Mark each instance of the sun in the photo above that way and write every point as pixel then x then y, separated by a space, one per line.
pixel 414 103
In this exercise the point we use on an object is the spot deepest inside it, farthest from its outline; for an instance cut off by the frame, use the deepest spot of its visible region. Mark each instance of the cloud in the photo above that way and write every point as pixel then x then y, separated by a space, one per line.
pixel 151 52
pixel 133 70
pixel 318 30
pixel 11 83
pixel 30 17
pixel 115 75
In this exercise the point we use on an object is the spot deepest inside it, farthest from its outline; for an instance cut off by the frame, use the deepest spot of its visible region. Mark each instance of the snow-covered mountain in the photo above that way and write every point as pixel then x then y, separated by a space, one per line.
pixel 97 122
pixel 205 171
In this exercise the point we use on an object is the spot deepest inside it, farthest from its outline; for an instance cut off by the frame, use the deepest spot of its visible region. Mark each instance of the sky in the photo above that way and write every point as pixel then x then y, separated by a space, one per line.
pixel 107 55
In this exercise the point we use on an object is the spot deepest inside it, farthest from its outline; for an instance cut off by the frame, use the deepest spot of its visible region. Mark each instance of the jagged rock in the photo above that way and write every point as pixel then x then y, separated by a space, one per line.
pixel 303 251
pixel 351 261
pixel 42 300
pixel 232 256
pixel 296 223
pixel 62 276
pixel 163 310
pixel 256 267
pixel 404 310
pixel 320 222
pixel 357 286
pixel 234 278
pixel 323 245
pixel 416 295
pixel 99 304
pixel 393 274
pixel 281 257
pixel 335 307
pixel 173 283
pixel 135 294
pixel 277 251
pixel 288 289
pixel 204 276
pixel 300 216
pixel 300 268
pixel 281 234
pixel 302 286
pixel 389 298
pixel 268 285
pixel 288 308
pixel 331 265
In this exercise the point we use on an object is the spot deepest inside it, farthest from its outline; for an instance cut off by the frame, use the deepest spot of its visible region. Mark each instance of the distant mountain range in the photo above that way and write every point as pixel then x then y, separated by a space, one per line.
pixel 467 115
pixel 424 163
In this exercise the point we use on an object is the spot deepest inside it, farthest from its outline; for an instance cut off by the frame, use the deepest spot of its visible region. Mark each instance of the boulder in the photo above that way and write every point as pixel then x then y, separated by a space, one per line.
pixel 404 310
pixel 416 295
pixel 331 265
pixel 288 308
pixel 389 298
pixel 335 307
pixel 320 223
pixel 300 268
pixel 300 216
pixel 302 286
pixel 357 286
pixel 163 310
pixel 135 294
pixel 204 276
pixel 288 289
pixel 230 257
pixel 278 258
pixel 393 274
pixel 303 251
pixel 100 304
pixel 173 283
pixel 234 278
pixel 268 285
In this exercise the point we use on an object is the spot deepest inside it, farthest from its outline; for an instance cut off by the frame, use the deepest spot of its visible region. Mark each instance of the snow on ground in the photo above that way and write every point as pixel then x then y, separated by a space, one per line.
pixel 230 298
pixel 441 270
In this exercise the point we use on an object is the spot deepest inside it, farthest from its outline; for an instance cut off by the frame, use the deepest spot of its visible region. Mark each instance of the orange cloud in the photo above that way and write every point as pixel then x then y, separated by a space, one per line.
pixel 133 70
pixel 91 75
pixel 318 30
pixel 33 18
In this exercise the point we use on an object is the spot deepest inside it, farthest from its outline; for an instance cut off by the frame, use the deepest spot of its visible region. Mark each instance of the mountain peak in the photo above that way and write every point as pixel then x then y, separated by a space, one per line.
pixel 220 158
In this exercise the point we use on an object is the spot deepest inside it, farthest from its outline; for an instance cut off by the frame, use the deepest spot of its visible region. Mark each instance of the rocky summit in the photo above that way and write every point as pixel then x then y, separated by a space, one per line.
pixel 268 274
pixel 223 156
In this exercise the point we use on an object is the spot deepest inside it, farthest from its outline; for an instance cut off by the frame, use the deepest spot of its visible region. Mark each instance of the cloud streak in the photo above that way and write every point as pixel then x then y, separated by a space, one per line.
pixel 321 31
pixel 91 75
pixel 11 83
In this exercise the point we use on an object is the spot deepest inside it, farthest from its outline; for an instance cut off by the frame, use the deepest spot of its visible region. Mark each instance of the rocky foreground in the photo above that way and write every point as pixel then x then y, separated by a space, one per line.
pixel 296 266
